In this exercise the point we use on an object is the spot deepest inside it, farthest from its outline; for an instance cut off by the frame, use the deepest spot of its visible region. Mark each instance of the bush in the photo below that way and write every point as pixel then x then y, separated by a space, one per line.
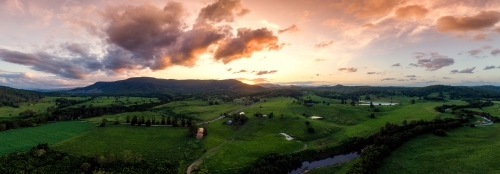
pixel 472 125
pixel 439 132
pixel 307 123
pixel 372 115
pixel 310 130
pixel 103 122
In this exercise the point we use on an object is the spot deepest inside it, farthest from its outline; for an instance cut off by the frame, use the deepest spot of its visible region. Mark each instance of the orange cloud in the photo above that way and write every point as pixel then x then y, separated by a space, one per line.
pixel 410 11
pixel 368 8
pixel 480 21
pixel 323 44
pixel 245 44
pixel 291 29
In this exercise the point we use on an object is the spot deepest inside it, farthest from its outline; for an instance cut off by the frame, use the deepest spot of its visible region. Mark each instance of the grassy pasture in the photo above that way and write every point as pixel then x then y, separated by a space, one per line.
pixel 199 109
pixel 122 117
pixel 465 150
pixel 24 139
pixel 153 143
pixel 124 100
pixel 7 112
pixel 260 136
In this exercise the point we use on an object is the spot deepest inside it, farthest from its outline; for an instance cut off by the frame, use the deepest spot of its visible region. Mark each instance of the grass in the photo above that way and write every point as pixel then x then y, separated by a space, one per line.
pixel 199 109
pixel 465 150
pixel 126 101
pixel 7 112
pixel 153 143
pixel 260 136
pixel 122 118
pixel 24 139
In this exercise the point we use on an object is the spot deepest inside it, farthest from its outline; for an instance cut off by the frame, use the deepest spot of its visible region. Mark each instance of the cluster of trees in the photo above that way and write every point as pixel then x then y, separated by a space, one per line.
pixel 471 104
pixel 12 97
pixel 176 121
pixel 392 136
pixel 64 102
pixel 376 148
pixel 42 159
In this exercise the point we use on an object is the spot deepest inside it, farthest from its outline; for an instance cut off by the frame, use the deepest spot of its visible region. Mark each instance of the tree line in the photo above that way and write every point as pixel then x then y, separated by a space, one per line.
pixel 42 159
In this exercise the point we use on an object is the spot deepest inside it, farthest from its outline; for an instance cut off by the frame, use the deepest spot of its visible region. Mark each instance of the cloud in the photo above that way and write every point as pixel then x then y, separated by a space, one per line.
pixel 432 61
pixel 241 71
pixel 317 74
pixel 486 47
pixel 402 80
pixel 229 69
pixel 26 80
pixel 319 60
pixel 483 19
pixel 77 68
pixel 495 52
pixel 474 52
pixel 370 73
pixel 479 37
pixel 411 76
pixel 245 44
pixel 489 67
pixel 446 78
pixel 350 70
pixel 368 8
pixel 497 29
pixel 323 44
pixel 222 11
pixel 385 79
pixel 466 71
pixel 291 29
pixel 259 73
pixel 397 64
pixel 379 73
pixel 431 81
pixel 410 11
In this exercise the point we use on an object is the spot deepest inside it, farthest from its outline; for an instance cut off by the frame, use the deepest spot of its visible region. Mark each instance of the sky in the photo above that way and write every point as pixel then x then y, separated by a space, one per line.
pixel 71 43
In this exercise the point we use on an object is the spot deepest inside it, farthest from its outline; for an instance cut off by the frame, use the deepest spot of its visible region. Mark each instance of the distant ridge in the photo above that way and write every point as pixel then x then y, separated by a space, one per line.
pixel 155 85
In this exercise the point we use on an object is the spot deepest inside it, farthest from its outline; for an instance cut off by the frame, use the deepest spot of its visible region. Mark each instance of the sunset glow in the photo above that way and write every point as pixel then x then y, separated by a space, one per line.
pixel 301 42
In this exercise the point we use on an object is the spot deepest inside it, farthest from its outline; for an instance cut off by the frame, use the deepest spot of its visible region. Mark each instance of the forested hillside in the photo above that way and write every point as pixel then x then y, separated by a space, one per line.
pixel 12 97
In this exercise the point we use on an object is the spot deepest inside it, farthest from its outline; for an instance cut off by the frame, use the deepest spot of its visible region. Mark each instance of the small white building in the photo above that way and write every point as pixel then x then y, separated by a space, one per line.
pixel 242 113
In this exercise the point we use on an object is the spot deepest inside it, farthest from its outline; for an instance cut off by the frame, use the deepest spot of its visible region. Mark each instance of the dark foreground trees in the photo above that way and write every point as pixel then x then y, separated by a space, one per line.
pixel 42 159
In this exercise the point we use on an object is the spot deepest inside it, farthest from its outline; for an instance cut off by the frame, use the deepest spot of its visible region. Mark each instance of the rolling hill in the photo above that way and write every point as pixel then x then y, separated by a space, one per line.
pixel 154 85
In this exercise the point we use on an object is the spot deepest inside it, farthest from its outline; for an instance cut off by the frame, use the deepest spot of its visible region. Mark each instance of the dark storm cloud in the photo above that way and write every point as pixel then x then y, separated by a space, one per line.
pixel 222 11
pixel 397 64
pixel 68 68
pixel 432 61
pixel 259 73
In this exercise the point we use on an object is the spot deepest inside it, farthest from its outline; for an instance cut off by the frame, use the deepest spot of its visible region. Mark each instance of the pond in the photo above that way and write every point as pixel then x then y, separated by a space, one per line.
pixel 306 165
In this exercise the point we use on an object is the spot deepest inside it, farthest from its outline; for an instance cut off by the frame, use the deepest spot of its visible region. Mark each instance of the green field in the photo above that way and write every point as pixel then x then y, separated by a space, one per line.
pixel 24 139
pixel 153 143
pixel 123 100
pixel 260 136
pixel 122 118
pixel 465 150
pixel 7 112
pixel 199 109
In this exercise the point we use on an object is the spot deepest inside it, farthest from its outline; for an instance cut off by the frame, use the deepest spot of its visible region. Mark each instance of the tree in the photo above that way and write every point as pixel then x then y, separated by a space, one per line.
pixel 193 129
pixel 371 104
pixel 134 121
pixel 3 127
pixel 169 121
pixel 103 122
pixel 372 115
pixel 412 101
pixel 128 119
pixel 148 123
pixel 310 130
pixel 183 122
pixel 307 123
pixel 162 120
pixel 211 102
